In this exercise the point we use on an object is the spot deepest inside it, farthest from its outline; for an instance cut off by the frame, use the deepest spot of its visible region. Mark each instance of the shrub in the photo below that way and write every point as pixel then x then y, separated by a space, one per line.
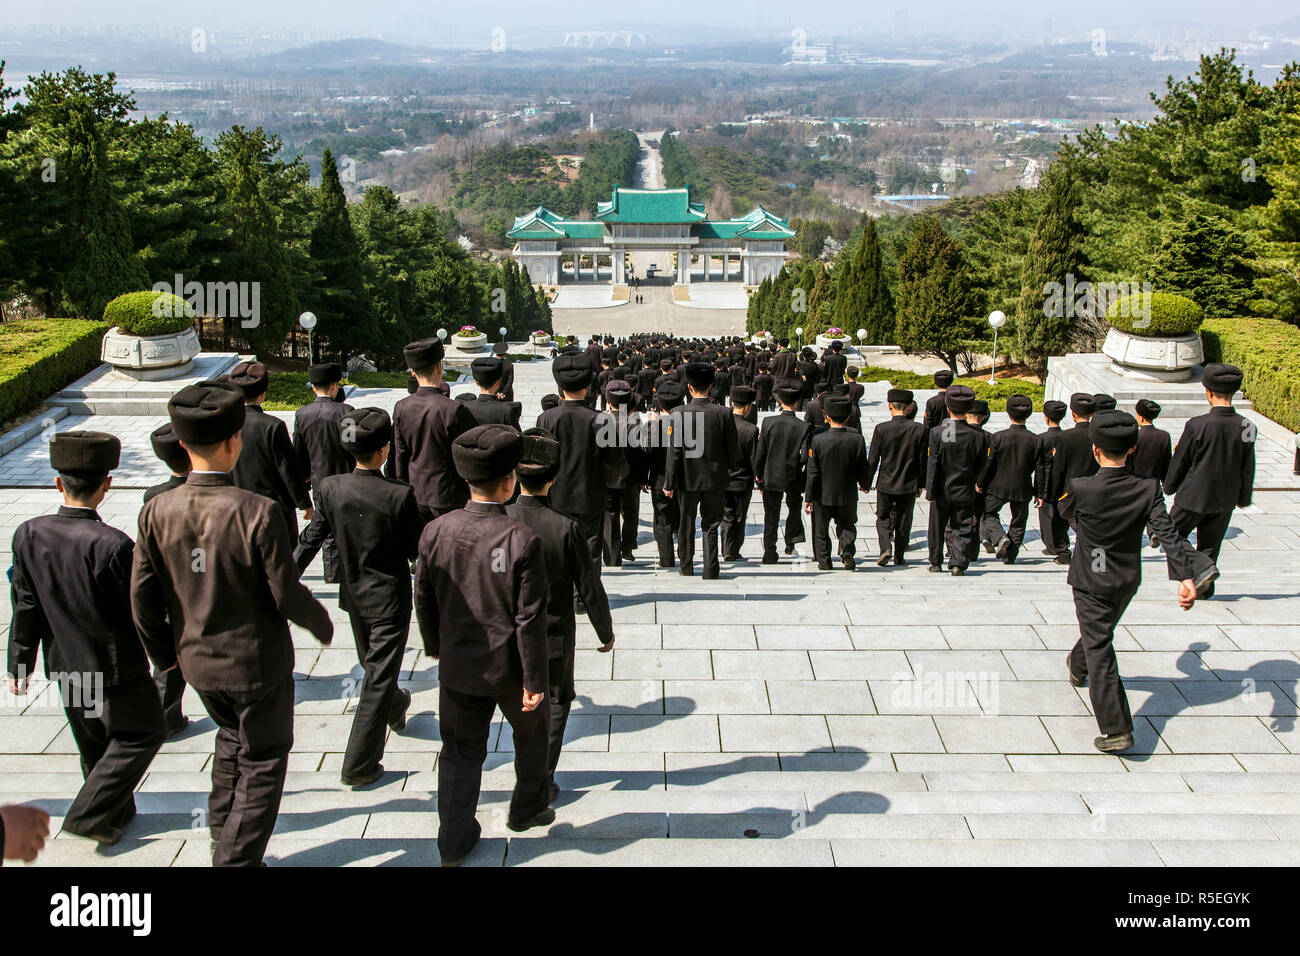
pixel 40 356
pixel 289 391
pixel 1171 315
pixel 149 313
pixel 1268 353
pixel 995 395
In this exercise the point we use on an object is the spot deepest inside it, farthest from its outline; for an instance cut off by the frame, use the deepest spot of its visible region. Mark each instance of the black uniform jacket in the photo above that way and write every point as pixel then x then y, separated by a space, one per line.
pixel 1110 510
pixel 268 466
pixel 898 449
pixel 1213 468
pixel 490 410
pixel 214 586
pixel 763 385
pixel 957 453
pixel 1153 453
pixel 316 439
pixel 425 424
pixel 175 481
pixel 480 599
pixel 835 363
pixel 1047 442
pixel 1072 458
pixel 580 485
pixel 1009 471
pixel 741 477
pixel 507 386
pixel 936 409
pixel 778 463
pixel 70 589
pixel 568 567
pixel 837 467
pixel 711 431
pixel 376 525
pixel 783 365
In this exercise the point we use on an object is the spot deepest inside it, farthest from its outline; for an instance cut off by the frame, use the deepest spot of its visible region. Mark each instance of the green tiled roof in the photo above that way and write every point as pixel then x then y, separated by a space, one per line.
pixel 758 224
pixel 650 206
pixel 541 223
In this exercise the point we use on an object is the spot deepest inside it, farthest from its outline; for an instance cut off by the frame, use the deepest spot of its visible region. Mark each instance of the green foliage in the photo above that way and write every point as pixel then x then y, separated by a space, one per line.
pixel 339 295
pixel 1207 257
pixel 936 301
pixel 862 296
pixel 1055 253
pixel 1171 315
pixel 1268 353
pixel 40 356
pixel 149 313
pixel 995 395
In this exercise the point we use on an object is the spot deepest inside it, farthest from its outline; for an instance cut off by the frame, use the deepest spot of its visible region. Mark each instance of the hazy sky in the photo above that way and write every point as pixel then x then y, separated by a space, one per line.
pixel 438 17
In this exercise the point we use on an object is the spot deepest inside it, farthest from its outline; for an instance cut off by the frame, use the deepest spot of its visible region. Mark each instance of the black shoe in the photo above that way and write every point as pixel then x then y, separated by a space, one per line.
pixel 544 818
pixel 789 549
pixel 397 710
pixel 900 563
pixel 1009 560
pixel 958 572
pixel 731 557
pixel 883 560
pixel 936 569
pixel 1076 680
pixel 1204 582
pixel 447 861
pixel 825 566
pixel 1063 558
pixel 363 779
pixel 177 727
pixel 628 555
pixel 104 836
pixel 1049 552
pixel 1114 743
pixel 848 563
pixel 1154 545
pixel 554 792
pixel 686 571
pixel 1003 548
pixel 988 548
pixel 770 557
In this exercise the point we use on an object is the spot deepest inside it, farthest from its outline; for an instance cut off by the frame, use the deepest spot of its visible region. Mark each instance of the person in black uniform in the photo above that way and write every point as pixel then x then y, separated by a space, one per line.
pixel 837 468
pixel 580 490
pixel 624 469
pixel 213 589
pixel 1155 449
pixel 71 598
pixel 1008 478
pixel 669 395
pixel 171 684
pixel 506 387
pixel 1213 468
pixel 958 450
pixel 1108 511
pixel 568 569
pixel 855 389
pixel 316 443
pixel 699 463
pixel 740 481
pixel 783 367
pixel 778 472
pixel 898 449
pixel 1053 530
pixel 267 465
pixel 935 408
pixel 976 418
pixel 1072 458
pixel 763 386
pixel 425 424
pixel 835 362
pixel 488 408
pixel 377 525
pixel 806 369
pixel 481 602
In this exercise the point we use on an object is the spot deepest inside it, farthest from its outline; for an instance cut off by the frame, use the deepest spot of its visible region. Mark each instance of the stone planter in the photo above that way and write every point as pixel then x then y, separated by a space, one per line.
pixel 762 340
pixel 824 341
pixel 151 357
pixel 539 339
pixel 469 343
pixel 1169 359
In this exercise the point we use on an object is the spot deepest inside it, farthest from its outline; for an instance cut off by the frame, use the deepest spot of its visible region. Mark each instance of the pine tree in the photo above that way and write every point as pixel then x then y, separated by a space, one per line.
pixel 862 297
pixel 936 299
pixel 1206 258
pixel 339 297
pixel 1044 323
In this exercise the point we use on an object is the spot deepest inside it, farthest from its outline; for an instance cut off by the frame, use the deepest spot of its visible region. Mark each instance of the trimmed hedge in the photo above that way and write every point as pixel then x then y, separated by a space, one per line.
pixel 995 395
pixel 1171 315
pixel 289 391
pixel 40 356
pixel 1268 353
pixel 134 313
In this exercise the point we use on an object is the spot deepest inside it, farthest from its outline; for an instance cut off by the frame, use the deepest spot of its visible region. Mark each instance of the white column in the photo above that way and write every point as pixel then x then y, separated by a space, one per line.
pixel 707 257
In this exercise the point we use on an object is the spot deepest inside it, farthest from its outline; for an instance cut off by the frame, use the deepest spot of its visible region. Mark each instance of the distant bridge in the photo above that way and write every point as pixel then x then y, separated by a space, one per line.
pixel 591 39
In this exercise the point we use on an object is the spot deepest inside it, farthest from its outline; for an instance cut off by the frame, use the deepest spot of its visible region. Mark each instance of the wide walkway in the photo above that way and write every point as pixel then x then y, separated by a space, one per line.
pixel 783 715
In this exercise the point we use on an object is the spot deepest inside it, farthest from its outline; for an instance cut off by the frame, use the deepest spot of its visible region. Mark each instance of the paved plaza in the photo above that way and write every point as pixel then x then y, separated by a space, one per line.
pixel 783 715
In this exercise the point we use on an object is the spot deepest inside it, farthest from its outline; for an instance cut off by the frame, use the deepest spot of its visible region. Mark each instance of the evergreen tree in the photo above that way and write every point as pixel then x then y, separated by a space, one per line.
pixel 339 298
pixel 936 300
pixel 1044 323
pixel 862 297
pixel 1206 259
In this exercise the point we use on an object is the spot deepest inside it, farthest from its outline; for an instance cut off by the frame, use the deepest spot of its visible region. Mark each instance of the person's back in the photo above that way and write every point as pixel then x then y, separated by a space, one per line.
pixel 1072 456
pixel 580 487
pixel 779 466
pixel 898 450
pixel 956 459
pixel 1012 457
pixel 425 424
pixel 1213 467
pixel 316 439
pixel 837 467
pixel 1154 452
pixel 711 430
pixel 1110 510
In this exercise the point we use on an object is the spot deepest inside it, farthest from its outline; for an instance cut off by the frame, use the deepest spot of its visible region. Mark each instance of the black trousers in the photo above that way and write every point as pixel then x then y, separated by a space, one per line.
pixel 1210 527
pixel 621 511
pixel 329 560
pixel 117 731
pixel 561 694
pixel 735 510
pixel 977 515
pixel 667 516
pixel 254 737
pixel 593 529
pixel 991 530
pixel 794 533
pixel 708 505
pixel 1094 655
pixel 465 721
pixel 171 691
pixel 846 530
pixel 936 530
pixel 961 533
pixel 1054 530
pixel 894 523
pixel 380 645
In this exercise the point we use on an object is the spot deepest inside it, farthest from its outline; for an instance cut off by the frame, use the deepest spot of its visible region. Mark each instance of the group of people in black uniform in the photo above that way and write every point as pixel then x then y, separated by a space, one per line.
pixel 494 538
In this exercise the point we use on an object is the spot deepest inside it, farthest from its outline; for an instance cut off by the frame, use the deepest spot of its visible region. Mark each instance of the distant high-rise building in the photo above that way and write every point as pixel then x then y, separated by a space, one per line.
pixel 900 26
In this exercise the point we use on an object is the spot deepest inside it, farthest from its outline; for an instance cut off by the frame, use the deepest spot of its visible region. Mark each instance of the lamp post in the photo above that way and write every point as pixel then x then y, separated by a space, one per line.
pixel 308 321
pixel 442 334
pixel 862 337
pixel 798 336
pixel 502 330
pixel 997 319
